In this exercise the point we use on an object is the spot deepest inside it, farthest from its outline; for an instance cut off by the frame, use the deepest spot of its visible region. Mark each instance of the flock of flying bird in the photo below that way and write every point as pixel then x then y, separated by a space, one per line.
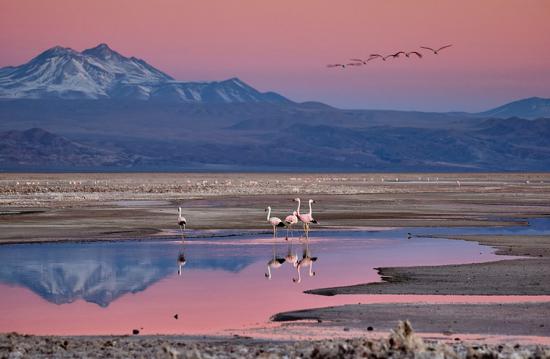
pixel 361 62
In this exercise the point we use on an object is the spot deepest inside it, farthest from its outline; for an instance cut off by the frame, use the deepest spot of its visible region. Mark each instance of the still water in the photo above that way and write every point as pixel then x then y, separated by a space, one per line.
pixel 212 284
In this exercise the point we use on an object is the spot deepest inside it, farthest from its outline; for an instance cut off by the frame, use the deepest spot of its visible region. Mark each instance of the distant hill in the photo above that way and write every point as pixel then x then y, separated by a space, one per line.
pixel 36 148
pixel 529 108
pixel 100 110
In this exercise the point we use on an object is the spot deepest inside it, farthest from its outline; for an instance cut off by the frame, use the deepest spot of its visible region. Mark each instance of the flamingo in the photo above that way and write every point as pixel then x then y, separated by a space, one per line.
pixel 434 50
pixel 273 263
pixel 182 222
pixel 364 62
pixel 290 220
pixel 307 218
pixel 408 54
pixel 274 221
pixel 337 65
pixel 374 56
pixel 396 55
pixel 306 261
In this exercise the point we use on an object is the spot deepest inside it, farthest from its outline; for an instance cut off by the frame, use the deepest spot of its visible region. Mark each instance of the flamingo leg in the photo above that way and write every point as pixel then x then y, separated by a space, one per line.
pixel 181 230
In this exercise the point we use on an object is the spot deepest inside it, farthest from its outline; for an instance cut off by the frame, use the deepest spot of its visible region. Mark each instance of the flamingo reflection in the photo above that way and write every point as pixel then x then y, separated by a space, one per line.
pixel 275 262
pixel 181 261
pixel 306 261
pixel 291 258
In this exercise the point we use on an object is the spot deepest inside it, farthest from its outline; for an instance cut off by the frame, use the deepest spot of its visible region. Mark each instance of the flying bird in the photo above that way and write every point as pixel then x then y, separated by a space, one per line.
pixel 337 65
pixel 354 64
pixel 408 54
pixel 375 56
pixel 396 55
pixel 363 62
pixel 434 50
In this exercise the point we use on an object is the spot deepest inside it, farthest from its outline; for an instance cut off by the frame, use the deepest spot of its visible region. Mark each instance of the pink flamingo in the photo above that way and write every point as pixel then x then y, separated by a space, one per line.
pixel 290 220
pixel 274 221
pixel 307 218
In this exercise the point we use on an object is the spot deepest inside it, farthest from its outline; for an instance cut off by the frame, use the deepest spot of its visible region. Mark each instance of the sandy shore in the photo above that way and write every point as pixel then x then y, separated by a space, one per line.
pixel 400 343
pixel 509 277
pixel 448 319
pixel 49 207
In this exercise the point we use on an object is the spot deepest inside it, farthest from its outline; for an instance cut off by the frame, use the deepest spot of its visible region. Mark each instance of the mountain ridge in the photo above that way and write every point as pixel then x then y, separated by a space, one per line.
pixel 101 73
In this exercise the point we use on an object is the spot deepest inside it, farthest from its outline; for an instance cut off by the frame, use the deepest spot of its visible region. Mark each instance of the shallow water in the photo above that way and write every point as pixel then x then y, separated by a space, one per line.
pixel 114 287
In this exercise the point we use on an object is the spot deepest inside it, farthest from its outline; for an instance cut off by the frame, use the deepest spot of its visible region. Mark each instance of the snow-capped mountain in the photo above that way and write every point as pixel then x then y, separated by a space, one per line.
pixel 102 73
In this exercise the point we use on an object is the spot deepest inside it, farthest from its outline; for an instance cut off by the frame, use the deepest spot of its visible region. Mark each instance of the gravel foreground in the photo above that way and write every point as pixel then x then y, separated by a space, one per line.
pixel 401 343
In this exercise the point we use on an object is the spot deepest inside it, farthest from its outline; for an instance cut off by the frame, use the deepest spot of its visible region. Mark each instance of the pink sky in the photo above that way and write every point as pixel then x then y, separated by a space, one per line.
pixel 500 50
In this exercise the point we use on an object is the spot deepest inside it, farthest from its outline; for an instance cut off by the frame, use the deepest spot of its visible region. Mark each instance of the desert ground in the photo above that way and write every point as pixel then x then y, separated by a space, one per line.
pixel 90 206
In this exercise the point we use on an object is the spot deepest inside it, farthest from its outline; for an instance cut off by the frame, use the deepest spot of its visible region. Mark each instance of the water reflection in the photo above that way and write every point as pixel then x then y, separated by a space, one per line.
pixel 291 256
pixel 306 261
pixel 275 262
pixel 136 284
pixel 102 272
pixel 181 261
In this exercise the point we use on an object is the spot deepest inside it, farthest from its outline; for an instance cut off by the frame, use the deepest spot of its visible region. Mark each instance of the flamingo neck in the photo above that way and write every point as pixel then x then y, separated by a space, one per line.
pixel 310 210
pixel 268 213
pixel 298 209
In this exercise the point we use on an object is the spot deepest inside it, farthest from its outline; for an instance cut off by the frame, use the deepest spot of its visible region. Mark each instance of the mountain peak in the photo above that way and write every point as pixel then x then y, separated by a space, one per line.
pixel 56 51
pixel 102 73
pixel 103 51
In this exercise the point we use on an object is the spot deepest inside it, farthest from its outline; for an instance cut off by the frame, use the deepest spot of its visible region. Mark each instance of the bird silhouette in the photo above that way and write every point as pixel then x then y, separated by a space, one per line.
pixel 337 65
pixel 354 64
pixel 375 56
pixel 364 62
pixel 408 54
pixel 435 51
pixel 396 55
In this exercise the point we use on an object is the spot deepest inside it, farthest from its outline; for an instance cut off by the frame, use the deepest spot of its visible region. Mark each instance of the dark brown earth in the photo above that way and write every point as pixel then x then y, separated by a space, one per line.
pixel 402 342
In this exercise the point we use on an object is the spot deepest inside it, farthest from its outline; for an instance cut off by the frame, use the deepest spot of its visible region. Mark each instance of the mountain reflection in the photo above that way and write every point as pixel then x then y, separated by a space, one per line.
pixel 101 272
